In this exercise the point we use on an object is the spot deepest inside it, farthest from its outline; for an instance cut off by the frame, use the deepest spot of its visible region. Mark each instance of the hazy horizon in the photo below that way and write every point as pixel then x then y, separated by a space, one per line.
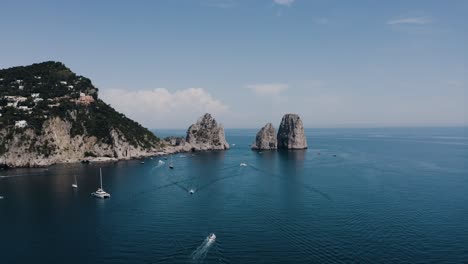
pixel 355 64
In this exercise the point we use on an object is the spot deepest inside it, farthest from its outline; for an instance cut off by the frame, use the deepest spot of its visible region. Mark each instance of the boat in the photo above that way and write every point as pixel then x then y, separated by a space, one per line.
pixel 1 197
pixel 243 164
pixel 171 165
pixel 75 184
pixel 211 237
pixel 142 162
pixel 100 193
pixel 191 191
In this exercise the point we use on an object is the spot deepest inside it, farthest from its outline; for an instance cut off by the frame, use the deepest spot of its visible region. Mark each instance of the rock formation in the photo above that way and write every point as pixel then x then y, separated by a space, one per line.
pixel 266 138
pixel 49 115
pixel 291 133
pixel 206 134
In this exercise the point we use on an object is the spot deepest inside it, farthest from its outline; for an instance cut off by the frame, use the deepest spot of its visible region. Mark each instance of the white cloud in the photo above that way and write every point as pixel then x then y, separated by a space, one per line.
pixel 270 89
pixel 410 21
pixel 284 2
pixel 159 108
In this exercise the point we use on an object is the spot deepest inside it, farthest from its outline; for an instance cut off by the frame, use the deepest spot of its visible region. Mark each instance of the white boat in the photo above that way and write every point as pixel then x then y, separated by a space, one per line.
pixel 160 162
pixel 75 184
pixel 243 164
pixel 1 197
pixel 191 191
pixel 211 237
pixel 171 165
pixel 100 193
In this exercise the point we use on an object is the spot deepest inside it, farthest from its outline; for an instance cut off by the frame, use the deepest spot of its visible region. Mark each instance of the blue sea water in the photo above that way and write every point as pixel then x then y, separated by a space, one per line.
pixel 395 195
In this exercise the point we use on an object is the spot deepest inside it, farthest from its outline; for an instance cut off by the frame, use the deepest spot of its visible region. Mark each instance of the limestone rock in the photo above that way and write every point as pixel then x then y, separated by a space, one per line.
pixel 266 138
pixel 206 134
pixel 291 133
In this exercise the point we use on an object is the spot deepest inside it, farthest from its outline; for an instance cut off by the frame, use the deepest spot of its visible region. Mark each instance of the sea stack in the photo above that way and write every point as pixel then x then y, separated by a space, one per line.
pixel 291 133
pixel 266 138
pixel 206 134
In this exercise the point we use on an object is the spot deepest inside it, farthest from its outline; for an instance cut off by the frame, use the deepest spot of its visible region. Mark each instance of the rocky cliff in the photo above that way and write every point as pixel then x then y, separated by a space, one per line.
pixel 48 115
pixel 266 138
pixel 206 134
pixel 291 133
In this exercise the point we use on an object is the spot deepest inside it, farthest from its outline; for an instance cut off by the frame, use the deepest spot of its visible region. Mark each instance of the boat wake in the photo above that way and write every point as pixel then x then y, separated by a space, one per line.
pixel 199 254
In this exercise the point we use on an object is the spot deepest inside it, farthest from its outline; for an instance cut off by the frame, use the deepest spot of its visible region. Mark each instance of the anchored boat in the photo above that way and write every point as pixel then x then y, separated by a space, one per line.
pixel 100 193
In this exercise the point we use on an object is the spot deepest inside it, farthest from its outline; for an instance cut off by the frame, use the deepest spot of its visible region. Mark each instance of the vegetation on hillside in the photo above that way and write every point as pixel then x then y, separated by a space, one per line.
pixel 45 90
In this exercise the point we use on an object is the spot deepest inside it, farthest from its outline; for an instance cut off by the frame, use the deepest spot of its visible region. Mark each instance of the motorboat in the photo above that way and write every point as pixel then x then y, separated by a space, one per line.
pixel 211 237
pixel 142 162
pixel 191 191
pixel 243 164
pixel 100 193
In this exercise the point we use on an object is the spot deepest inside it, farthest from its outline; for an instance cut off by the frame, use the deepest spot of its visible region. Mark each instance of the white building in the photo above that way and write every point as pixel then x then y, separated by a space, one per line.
pixel 35 95
pixel 21 123
pixel 63 82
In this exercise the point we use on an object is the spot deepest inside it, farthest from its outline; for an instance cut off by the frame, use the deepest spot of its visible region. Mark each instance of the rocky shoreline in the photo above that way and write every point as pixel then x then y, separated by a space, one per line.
pixel 205 135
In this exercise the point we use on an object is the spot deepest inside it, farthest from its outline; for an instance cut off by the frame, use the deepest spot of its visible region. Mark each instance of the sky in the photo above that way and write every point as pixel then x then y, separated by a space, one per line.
pixel 335 63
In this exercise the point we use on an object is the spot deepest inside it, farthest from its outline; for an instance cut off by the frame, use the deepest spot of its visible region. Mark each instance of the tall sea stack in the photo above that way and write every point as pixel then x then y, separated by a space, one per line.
pixel 206 134
pixel 266 138
pixel 291 133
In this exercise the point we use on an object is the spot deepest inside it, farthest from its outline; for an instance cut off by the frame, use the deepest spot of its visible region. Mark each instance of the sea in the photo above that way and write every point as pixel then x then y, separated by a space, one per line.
pixel 376 195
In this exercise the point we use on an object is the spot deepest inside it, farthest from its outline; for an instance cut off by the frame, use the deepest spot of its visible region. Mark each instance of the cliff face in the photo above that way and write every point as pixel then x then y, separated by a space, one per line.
pixel 266 138
pixel 50 115
pixel 291 133
pixel 206 134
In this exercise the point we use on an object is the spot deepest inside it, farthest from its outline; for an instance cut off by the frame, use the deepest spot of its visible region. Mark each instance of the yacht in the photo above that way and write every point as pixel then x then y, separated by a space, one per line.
pixel 191 191
pixel 171 165
pixel 75 184
pixel 100 193
pixel 243 164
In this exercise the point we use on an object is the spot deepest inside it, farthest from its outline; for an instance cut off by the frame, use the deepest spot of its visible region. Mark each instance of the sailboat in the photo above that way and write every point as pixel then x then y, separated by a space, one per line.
pixel 75 185
pixel 171 165
pixel 100 193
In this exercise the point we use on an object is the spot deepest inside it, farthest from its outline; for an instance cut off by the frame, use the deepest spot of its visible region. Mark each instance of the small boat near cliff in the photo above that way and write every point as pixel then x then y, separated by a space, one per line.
pixel 171 165
pixel 100 193
pixel 75 184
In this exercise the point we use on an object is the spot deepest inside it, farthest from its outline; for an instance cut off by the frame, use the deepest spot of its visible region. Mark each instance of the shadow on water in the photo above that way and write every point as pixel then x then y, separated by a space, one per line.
pixel 290 163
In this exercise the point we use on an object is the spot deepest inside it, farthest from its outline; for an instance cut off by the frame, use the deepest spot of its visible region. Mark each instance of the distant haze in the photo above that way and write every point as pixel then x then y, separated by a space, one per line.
pixel 336 64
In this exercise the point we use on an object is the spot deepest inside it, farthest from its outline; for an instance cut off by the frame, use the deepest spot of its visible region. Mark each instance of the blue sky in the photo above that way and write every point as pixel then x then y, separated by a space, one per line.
pixel 335 63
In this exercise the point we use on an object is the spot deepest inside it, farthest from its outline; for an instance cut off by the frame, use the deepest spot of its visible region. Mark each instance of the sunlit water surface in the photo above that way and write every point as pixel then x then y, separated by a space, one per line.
pixel 356 195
